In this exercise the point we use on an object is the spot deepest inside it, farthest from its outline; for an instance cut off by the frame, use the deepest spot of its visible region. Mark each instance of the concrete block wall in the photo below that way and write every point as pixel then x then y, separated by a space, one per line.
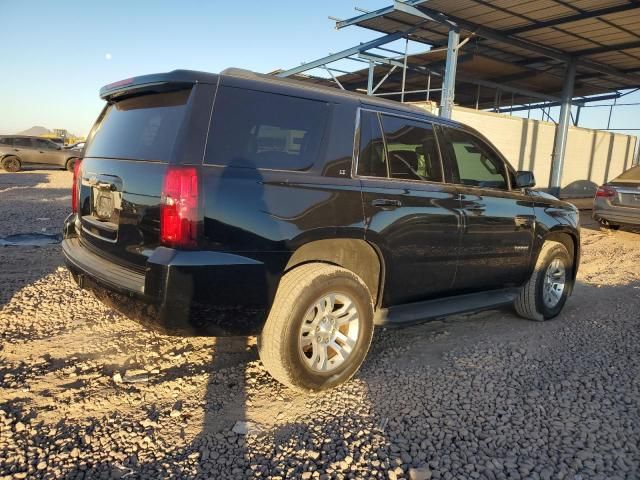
pixel 592 156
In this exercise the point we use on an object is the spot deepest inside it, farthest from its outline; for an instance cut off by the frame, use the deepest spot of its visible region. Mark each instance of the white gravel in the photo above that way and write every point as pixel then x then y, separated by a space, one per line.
pixel 86 393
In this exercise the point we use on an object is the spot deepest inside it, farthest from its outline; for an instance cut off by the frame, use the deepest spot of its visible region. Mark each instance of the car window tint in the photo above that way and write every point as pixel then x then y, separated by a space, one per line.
pixel 140 128
pixel 412 151
pixel 22 142
pixel 371 160
pixel 265 130
pixel 477 165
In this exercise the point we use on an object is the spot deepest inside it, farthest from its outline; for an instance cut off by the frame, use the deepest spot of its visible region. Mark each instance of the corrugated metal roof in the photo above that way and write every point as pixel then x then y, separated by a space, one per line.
pixel 603 31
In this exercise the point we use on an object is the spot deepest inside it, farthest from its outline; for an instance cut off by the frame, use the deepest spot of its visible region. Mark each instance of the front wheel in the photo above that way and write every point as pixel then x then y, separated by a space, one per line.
pixel 544 295
pixel 11 164
pixel 319 328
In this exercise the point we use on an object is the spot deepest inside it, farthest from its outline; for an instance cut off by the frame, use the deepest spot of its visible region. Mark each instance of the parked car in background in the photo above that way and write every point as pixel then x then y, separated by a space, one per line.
pixel 75 146
pixel 243 204
pixel 18 150
pixel 617 202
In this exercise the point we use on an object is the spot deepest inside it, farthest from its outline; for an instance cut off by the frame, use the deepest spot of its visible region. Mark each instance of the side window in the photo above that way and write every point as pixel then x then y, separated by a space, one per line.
pixel 265 130
pixel 371 161
pixel 22 142
pixel 43 144
pixel 6 141
pixel 412 149
pixel 477 164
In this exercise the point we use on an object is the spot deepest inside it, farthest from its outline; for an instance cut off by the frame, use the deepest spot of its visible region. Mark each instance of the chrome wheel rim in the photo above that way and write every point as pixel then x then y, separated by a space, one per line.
pixel 554 283
pixel 329 332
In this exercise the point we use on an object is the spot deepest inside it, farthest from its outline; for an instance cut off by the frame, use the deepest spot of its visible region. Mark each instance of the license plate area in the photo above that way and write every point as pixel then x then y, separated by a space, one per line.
pixel 105 205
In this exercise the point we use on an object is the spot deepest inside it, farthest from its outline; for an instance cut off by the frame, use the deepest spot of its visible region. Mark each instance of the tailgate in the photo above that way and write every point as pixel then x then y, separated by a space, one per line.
pixel 121 177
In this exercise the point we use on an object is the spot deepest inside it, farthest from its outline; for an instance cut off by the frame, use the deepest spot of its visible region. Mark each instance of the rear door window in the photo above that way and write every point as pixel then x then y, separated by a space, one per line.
pixel 265 130
pixel 372 160
pixel 144 127
pixel 474 163
pixel 22 142
pixel 412 149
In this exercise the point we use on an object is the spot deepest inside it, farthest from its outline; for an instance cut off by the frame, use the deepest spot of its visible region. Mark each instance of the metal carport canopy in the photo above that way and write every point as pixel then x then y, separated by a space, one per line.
pixel 593 45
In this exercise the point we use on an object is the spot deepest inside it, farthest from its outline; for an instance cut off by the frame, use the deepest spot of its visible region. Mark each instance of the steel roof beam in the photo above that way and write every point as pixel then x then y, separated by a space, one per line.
pixel 572 18
pixel 418 9
pixel 391 37
pixel 608 48
pixel 464 79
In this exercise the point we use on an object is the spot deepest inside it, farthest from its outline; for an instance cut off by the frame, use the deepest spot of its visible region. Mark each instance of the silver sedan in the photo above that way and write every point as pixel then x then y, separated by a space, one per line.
pixel 617 202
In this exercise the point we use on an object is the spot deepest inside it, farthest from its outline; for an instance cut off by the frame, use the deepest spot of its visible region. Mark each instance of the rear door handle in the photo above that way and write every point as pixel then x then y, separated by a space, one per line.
pixel 386 203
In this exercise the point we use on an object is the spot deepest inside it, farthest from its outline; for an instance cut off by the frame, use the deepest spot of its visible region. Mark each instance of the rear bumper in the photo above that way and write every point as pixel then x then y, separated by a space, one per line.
pixel 603 210
pixel 180 292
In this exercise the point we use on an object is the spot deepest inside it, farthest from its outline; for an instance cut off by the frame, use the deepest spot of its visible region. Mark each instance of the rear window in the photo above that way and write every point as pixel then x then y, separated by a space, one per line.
pixel 6 141
pixel 631 174
pixel 265 130
pixel 140 128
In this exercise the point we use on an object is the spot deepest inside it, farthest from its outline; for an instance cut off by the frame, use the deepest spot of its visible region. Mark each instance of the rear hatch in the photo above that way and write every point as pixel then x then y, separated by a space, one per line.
pixel 627 187
pixel 145 127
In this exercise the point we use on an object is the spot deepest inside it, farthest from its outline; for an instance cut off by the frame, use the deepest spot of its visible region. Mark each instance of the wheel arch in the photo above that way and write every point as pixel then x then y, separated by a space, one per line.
pixel 572 243
pixel 354 254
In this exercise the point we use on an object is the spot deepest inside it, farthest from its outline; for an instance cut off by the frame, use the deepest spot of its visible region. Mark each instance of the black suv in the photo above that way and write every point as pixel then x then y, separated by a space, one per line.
pixel 243 204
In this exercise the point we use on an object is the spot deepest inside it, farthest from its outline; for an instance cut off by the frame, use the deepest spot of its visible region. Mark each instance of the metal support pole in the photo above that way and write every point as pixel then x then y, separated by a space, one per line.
pixel 404 69
pixel 449 83
pixel 611 112
pixel 429 86
pixel 562 129
pixel 370 79
pixel 578 110
pixel 478 97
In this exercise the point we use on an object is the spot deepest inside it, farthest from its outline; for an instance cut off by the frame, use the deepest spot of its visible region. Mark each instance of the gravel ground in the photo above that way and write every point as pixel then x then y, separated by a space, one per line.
pixel 87 393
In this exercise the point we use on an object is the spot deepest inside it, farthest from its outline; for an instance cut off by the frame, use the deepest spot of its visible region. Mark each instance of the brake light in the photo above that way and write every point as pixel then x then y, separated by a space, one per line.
pixel 75 188
pixel 606 192
pixel 179 208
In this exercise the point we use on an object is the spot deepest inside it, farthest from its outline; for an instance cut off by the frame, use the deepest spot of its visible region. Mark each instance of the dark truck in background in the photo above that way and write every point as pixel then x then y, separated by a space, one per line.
pixel 243 204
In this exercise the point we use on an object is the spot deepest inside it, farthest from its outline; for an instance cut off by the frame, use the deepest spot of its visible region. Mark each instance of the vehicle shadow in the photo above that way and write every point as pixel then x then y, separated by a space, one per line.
pixel 448 397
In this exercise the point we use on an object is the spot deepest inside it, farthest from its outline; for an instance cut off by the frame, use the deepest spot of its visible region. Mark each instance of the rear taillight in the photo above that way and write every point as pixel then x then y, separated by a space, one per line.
pixel 606 192
pixel 75 189
pixel 179 208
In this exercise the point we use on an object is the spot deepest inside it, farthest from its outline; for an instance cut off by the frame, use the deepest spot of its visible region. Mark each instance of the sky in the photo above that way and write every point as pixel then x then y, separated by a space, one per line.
pixel 54 69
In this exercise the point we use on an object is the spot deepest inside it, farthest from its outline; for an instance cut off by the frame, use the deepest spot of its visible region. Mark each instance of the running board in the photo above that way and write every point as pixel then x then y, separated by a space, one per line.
pixel 444 307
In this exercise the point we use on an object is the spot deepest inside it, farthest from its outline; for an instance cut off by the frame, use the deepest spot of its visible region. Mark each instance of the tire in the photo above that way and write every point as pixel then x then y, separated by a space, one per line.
pixel 70 164
pixel 11 164
pixel 287 344
pixel 531 301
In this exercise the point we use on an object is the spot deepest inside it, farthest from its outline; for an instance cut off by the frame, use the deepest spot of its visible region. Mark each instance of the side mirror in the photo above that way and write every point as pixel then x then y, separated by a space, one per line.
pixel 525 179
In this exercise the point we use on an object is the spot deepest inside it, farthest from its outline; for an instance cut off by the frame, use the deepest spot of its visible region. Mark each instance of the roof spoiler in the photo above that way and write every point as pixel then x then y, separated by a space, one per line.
pixel 155 82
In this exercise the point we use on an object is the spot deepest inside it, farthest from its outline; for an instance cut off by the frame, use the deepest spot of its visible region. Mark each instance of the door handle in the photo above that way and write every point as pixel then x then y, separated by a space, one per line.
pixel 386 203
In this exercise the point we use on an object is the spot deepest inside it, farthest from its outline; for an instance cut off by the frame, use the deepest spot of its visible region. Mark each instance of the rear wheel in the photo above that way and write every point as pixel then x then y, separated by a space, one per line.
pixel 319 329
pixel 545 294
pixel 71 163
pixel 11 164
